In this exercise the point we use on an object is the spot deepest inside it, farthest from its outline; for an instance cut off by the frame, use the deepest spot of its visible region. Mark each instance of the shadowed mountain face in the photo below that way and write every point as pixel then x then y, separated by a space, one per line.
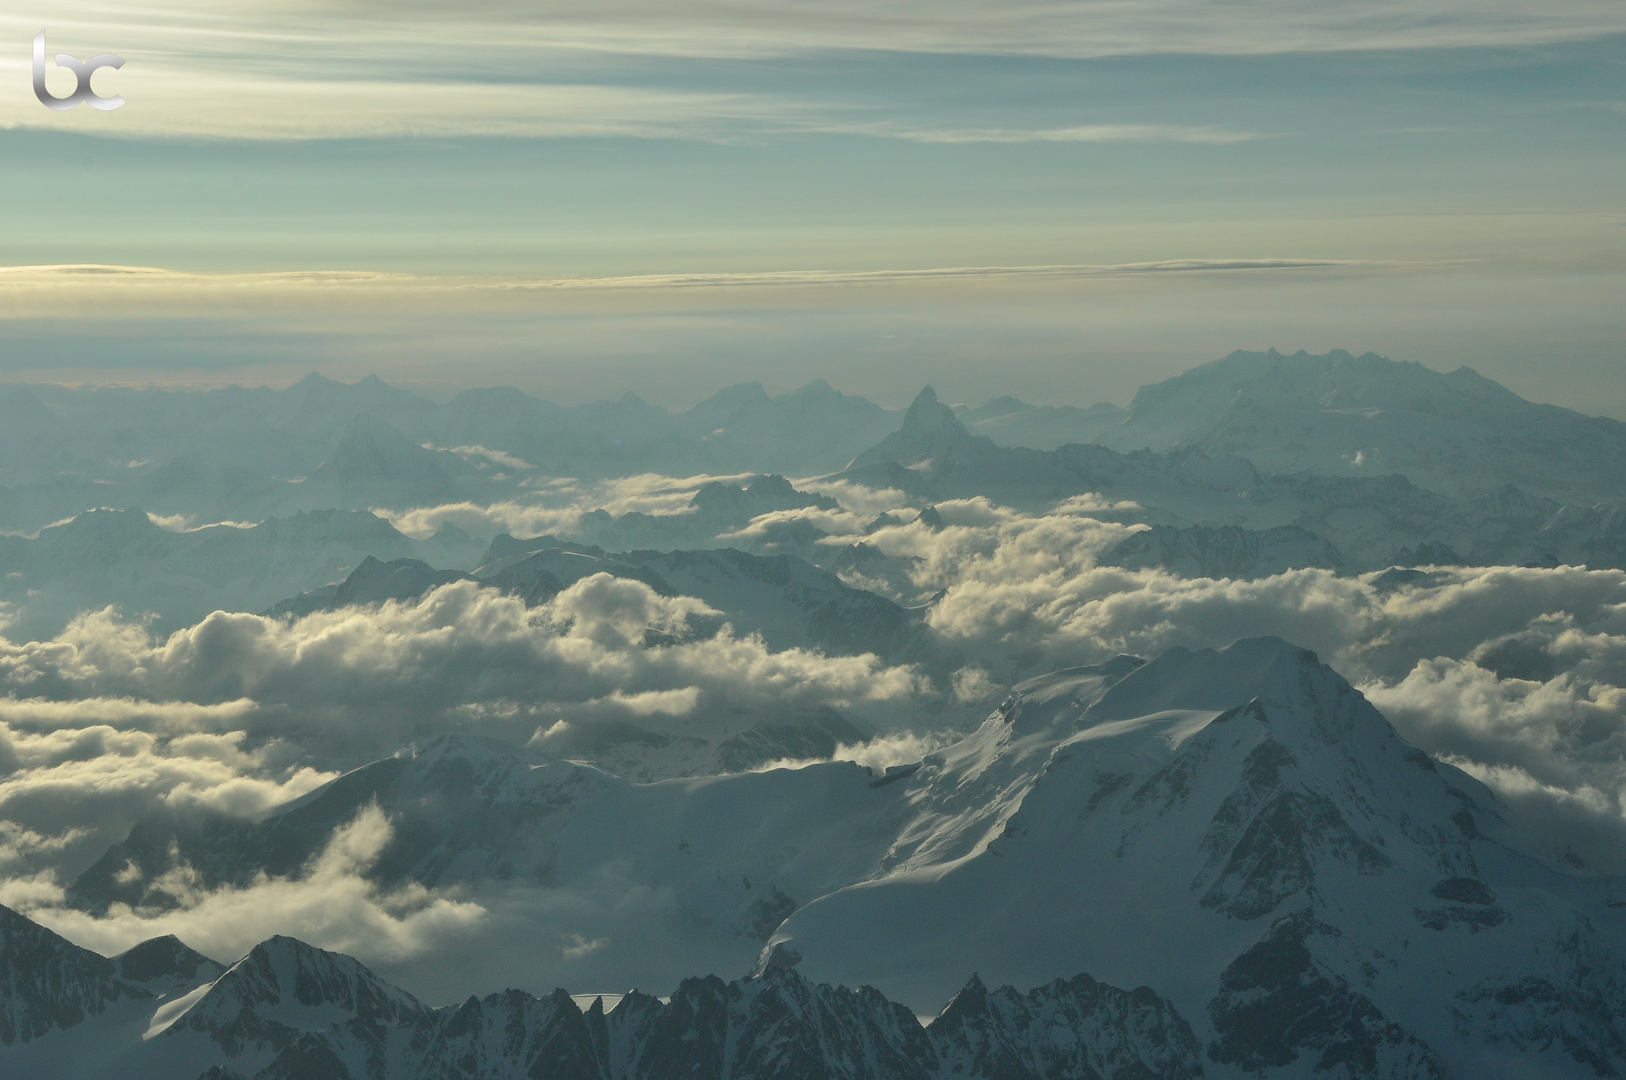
pixel 1237 829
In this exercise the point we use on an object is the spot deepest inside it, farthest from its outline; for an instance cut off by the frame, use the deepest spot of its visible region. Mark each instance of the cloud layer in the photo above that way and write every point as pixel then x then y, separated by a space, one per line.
pixel 1517 675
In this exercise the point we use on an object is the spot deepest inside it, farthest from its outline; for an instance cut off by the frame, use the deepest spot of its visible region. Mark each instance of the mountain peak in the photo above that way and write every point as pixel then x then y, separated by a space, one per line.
pixel 929 429
pixel 930 417
pixel 1218 679
pixel 283 967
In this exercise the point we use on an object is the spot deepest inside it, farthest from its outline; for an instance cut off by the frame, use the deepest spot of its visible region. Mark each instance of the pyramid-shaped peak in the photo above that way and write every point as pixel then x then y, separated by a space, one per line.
pixel 283 966
pixel 929 429
pixel 927 415
pixel 970 1000
pixel 287 974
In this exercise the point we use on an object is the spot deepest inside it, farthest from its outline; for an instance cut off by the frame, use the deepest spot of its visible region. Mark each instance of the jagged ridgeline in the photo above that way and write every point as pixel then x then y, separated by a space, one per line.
pixel 288 1011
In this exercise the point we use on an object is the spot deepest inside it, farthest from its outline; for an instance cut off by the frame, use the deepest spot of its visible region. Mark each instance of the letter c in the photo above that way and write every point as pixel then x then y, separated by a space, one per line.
pixel 85 71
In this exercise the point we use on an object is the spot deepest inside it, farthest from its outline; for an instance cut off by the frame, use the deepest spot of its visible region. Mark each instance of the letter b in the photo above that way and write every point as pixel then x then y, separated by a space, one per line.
pixel 83 71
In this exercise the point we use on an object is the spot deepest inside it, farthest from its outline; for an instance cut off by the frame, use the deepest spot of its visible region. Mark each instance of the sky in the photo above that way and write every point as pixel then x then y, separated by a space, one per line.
pixel 1057 200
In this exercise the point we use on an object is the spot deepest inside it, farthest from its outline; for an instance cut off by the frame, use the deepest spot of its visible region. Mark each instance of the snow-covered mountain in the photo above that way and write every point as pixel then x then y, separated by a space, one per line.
pixel 1239 830
pixel 1243 832
pixel 1343 415
pixel 288 1011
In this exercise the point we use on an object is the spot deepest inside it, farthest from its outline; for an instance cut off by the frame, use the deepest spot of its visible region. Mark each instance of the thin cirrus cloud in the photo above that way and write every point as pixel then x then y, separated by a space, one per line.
pixel 754 28
pixel 633 69
pixel 1080 133
pixel 196 103
pixel 42 291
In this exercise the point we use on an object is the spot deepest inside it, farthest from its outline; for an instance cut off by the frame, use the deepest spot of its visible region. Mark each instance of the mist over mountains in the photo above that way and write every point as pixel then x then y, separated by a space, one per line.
pixel 1274 725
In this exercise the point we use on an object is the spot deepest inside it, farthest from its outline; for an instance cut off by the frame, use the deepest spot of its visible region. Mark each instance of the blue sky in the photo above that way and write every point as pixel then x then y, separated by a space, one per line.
pixel 1437 181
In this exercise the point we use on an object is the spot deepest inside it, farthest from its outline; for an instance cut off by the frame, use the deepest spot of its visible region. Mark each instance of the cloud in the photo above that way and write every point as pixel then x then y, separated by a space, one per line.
pixel 856 498
pixel 68 792
pixel 496 457
pixel 331 905
pixel 145 293
pixel 1086 133
pixel 105 724
pixel 460 643
pixel 488 72
pixel 577 946
pixel 557 505
pixel 972 684
pixel 1514 674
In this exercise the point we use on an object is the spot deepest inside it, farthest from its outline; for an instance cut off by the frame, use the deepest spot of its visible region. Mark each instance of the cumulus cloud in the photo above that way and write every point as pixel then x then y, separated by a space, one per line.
pixel 556 504
pixel 68 792
pixel 1514 674
pixel 331 905
pixel 402 662
pixel 106 724
pixel 856 498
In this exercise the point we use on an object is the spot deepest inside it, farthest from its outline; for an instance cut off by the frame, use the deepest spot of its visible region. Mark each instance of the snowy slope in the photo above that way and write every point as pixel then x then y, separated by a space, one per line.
pixel 1237 829
pixel 1241 831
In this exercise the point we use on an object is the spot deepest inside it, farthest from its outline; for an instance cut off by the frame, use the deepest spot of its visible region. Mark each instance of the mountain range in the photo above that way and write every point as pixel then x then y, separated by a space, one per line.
pixel 287 1011
pixel 1457 433
pixel 1369 520
pixel 1238 830
pixel 244 455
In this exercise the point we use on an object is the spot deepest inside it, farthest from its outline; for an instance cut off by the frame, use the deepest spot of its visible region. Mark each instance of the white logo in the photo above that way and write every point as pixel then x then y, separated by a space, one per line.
pixel 83 70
